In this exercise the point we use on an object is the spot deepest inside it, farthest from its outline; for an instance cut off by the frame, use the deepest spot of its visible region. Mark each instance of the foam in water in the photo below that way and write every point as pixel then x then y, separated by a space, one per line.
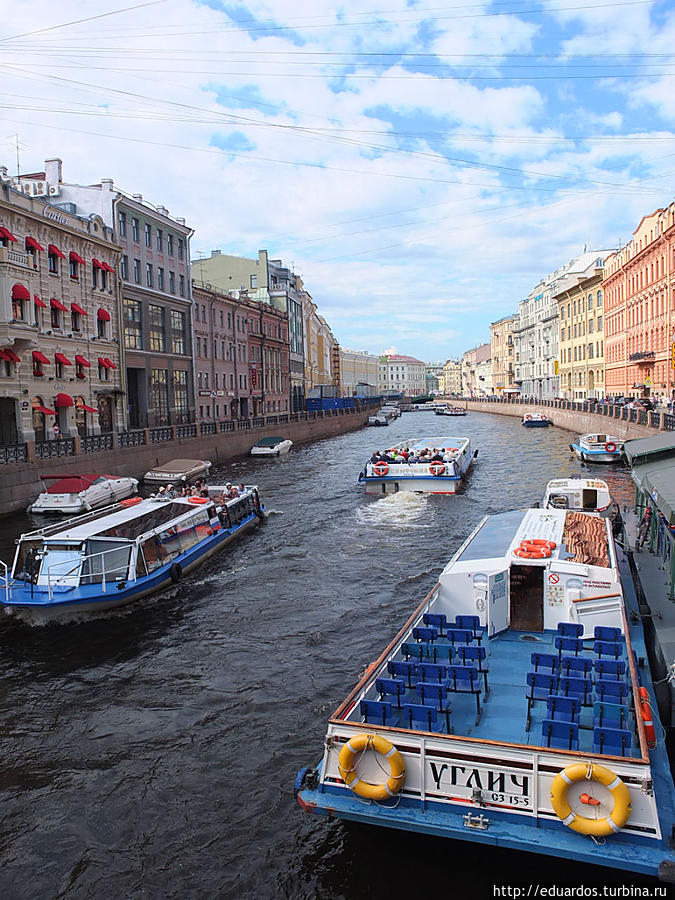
pixel 401 510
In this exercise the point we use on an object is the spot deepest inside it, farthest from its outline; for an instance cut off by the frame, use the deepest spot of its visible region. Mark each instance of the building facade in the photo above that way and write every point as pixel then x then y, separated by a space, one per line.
pixel 502 353
pixel 471 359
pixel 484 378
pixel 402 375
pixel 358 373
pixel 639 288
pixel 61 360
pixel 581 336
pixel 451 384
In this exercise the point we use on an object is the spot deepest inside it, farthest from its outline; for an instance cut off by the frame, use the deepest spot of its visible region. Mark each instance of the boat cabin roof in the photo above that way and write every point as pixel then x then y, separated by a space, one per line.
pixel 128 522
pixel 178 466
pixel 269 441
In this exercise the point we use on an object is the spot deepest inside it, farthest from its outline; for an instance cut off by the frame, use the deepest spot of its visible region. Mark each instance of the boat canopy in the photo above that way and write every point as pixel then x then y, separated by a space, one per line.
pixel 269 441
pixel 657 478
pixel 72 484
pixel 127 523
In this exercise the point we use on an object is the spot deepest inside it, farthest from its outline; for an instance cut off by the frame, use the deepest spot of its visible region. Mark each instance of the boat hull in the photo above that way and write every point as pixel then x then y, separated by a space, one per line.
pixel 536 424
pixel 596 456
pixel 427 484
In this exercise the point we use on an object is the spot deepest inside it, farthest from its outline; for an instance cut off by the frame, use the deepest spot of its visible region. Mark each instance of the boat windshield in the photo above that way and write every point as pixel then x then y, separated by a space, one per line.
pixel 105 561
pixel 494 538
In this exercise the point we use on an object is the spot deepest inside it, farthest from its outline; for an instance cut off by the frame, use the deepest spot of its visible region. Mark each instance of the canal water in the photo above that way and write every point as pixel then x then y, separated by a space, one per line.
pixel 152 753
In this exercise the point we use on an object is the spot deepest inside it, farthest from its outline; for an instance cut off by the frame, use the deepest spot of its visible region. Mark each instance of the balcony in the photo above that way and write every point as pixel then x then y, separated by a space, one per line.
pixel 643 357
pixel 16 258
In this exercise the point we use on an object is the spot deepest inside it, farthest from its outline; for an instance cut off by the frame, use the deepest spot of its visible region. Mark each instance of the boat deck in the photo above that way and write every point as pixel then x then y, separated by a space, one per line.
pixel 501 713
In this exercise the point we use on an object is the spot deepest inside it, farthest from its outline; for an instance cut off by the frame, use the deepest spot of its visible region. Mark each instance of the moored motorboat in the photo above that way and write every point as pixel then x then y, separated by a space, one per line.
pixel 536 420
pixel 176 470
pixel 432 465
pixel 113 557
pixel 599 448
pixel 583 494
pixel 73 494
pixel 514 707
pixel 271 446
pixel 377 421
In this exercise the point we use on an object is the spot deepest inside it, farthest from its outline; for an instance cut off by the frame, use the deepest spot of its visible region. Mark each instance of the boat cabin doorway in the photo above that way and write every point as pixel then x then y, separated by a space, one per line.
pixel 527 598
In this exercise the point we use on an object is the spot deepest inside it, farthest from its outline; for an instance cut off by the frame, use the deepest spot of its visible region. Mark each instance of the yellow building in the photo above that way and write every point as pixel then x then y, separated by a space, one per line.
pixel 501 352
pixel 581 337
pixel 451 382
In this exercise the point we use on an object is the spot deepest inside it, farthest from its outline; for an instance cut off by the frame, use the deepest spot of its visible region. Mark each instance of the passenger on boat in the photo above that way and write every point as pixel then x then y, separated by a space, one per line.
pixel 437 457
pixel 643 527
pixel 376 457
pixel 242 488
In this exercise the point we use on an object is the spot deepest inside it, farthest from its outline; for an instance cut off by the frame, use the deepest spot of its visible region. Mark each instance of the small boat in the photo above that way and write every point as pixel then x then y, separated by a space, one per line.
pixel 377 420
pixel 271 446
pixel 73 494
pixel 390 411
pixel 514 707
pixel 583 494
pixel 106 559
pixel 535 420
pixel 177 470
pixel 405 469
pixel 451 411
pixel 600 448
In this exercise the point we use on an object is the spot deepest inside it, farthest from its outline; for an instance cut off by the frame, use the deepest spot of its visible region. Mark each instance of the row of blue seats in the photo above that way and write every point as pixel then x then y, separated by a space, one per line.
pixel 440 623
pixel 579 666
pixel 607 640
pixel 466 655
pixel 565 736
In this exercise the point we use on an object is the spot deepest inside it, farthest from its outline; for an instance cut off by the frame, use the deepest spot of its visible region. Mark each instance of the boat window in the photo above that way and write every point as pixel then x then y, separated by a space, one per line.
pixel 589 499
pixel 494 538
pixel 61 564
pixel 163 512
pixel 141 568
pixel 239 510
pixel 106 561
pixel 27 563
pixel 155 553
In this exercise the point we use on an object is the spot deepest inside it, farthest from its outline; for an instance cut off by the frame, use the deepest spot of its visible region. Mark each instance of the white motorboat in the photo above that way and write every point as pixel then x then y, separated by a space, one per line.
pixel 271 446
pixel 377 420
pixel 583 495
pixel 177 470
pixel 600 448
pixel 536 420
pixel 431 466
pixel 73 494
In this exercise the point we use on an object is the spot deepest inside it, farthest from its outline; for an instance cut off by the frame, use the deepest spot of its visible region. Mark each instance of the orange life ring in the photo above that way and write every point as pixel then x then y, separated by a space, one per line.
pixel 131 501
pixel 524 553
pixel 197 501
pixel 647 718
pixel 452 449
pixel 540 542
pixel 528 417
pixel 610 447
pixel 437 468
pixel 380 469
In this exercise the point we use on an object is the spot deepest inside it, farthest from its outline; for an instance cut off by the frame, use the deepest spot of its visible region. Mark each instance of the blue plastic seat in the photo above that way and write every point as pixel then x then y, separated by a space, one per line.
pixel 607 648
pixel 570 629
pixel 539 686
pixel 472 624
pixel 610 715
pixel 544 662
pixel 569 645
pixel 459 635
pixel 610 669
pixel 413 650
pixel 610 691
pixel 417 712
pixel 436 695
pixel 391 687
pixel 475 656
pixel 607 633
pixel 376 712
pixel 563 735
pixel 406 669
pixel 614 741
pixel 581 688
pixel 432 672
pixel 423 633
pixel 436 620
pixel 563 709
pixel 575 666
pixel 465 680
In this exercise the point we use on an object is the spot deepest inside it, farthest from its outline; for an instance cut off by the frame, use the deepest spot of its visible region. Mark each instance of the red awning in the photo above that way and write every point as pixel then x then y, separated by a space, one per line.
pixel 81 361
pixel 38 302
pixel 59 357
pixel 20 292
pixel 103 315
pixel 54 251
pixel 33 244
pixel 11 355
pixel 6 233
pixel 103 362
pixel 75 307
pixel 97 263
pixel 56 304
pixel 4 356
pixel 110 364
pixel 75 257
pixel 63 400
pixel 108 267
pixel 91 409
pixel 40 357
pixel 43 409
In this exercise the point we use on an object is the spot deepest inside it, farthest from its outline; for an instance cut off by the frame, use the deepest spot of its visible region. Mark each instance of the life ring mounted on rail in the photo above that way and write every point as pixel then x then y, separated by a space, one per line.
pixel 437 468
pixel 380 469
pixel 348 762
pixel 610 447
pixel 528 417
pixel 613 822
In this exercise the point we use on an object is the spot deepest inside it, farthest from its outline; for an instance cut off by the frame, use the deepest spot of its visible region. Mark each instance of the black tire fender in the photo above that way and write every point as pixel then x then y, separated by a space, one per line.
pixel 176 572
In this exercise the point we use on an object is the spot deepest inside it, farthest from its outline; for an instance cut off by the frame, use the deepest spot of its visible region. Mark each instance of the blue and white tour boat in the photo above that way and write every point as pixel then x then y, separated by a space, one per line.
pixel 514 707
pixel 432 465
pixel 117 555
pixel 598 448
pixel 536 420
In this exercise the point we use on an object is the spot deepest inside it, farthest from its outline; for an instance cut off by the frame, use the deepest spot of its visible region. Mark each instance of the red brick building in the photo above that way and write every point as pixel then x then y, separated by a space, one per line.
pixel 268 356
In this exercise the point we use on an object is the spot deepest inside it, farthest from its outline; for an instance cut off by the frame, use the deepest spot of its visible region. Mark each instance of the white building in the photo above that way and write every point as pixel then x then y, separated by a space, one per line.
pixel 359 373
pixel 402 375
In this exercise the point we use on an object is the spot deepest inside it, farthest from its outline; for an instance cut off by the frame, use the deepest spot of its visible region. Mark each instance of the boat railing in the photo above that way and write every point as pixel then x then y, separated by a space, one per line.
pixel 81 518
pixel 55 580
pixel 5 578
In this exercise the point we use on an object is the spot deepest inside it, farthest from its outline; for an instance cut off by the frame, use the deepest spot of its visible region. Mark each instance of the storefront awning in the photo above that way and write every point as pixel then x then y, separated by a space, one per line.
pixel 33 244
pixel 110 364
pixel 11 355
pixel 59 357
pixel 44 410
pixel 20 292
pixel 38 302
pixel 54 251
pixel 108 267
pixel 40 357
pixel 103 315
pixel 56 304
pixel 63 400
pixel 76 308
pixel 97 263
pixel 7 234
pixel 81 361
pixel 91 409
pixel 75 257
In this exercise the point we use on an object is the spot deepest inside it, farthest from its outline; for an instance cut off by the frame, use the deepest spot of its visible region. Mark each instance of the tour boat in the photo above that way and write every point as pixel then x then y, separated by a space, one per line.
pixel 177 470
pixel 439 476
pixel 536 420
pixel 514 707
pixel 600 448
pixel 109 558
pixel 451 411
pixel 271 446
pixel 75 494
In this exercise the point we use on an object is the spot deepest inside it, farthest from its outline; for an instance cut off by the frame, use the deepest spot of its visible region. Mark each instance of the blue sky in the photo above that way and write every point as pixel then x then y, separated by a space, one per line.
pixel 421 166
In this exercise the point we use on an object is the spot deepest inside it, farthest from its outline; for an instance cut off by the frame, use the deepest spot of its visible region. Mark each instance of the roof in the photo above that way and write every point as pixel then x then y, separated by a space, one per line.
pixel 408 359
pixel 660 446
pixel 657 477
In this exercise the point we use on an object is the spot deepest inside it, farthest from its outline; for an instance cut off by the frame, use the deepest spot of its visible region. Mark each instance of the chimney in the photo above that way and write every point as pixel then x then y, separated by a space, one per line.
pixel 54 171
pixel 107 184
pixel 137 197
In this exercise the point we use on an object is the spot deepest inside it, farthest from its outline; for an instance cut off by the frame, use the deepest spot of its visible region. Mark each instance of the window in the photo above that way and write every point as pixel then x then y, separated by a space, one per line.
pixel 590 301
pixel 203 313
pixel 122 223
pixel 58 368
pixel 75 321
pixel 599 299
pixel 156 319
pixel 591 325
pixel 177 331
pixel 172 282
pixel 181 285
pixel 17 309
pixel 103 372
pixel 180 248
pixel 180 396
pixel 599 323
pixel 160 279
pixel 133 336
pixel 53 263
pixel 221 318
pixel 160 240
pixel 137 271
pixel 148 235
pixel 56 318
pixel 169 244
pixel 254 282
pixel 102 328
pixel 148 274
pixel 134 229
pixel 124 267
pixel 74 269
pixel 159 394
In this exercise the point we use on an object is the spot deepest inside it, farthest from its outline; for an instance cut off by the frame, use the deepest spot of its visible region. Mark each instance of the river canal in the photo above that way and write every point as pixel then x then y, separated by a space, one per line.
pixel 152 753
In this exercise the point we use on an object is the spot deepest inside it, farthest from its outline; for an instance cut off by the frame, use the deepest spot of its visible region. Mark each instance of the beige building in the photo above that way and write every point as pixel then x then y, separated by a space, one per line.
pixel 581 336
pixel 321 361
pixel 501 353
pixel 402 375
pixel 61 358
pixel 484 378
pixel 358 373
pixel 451 379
